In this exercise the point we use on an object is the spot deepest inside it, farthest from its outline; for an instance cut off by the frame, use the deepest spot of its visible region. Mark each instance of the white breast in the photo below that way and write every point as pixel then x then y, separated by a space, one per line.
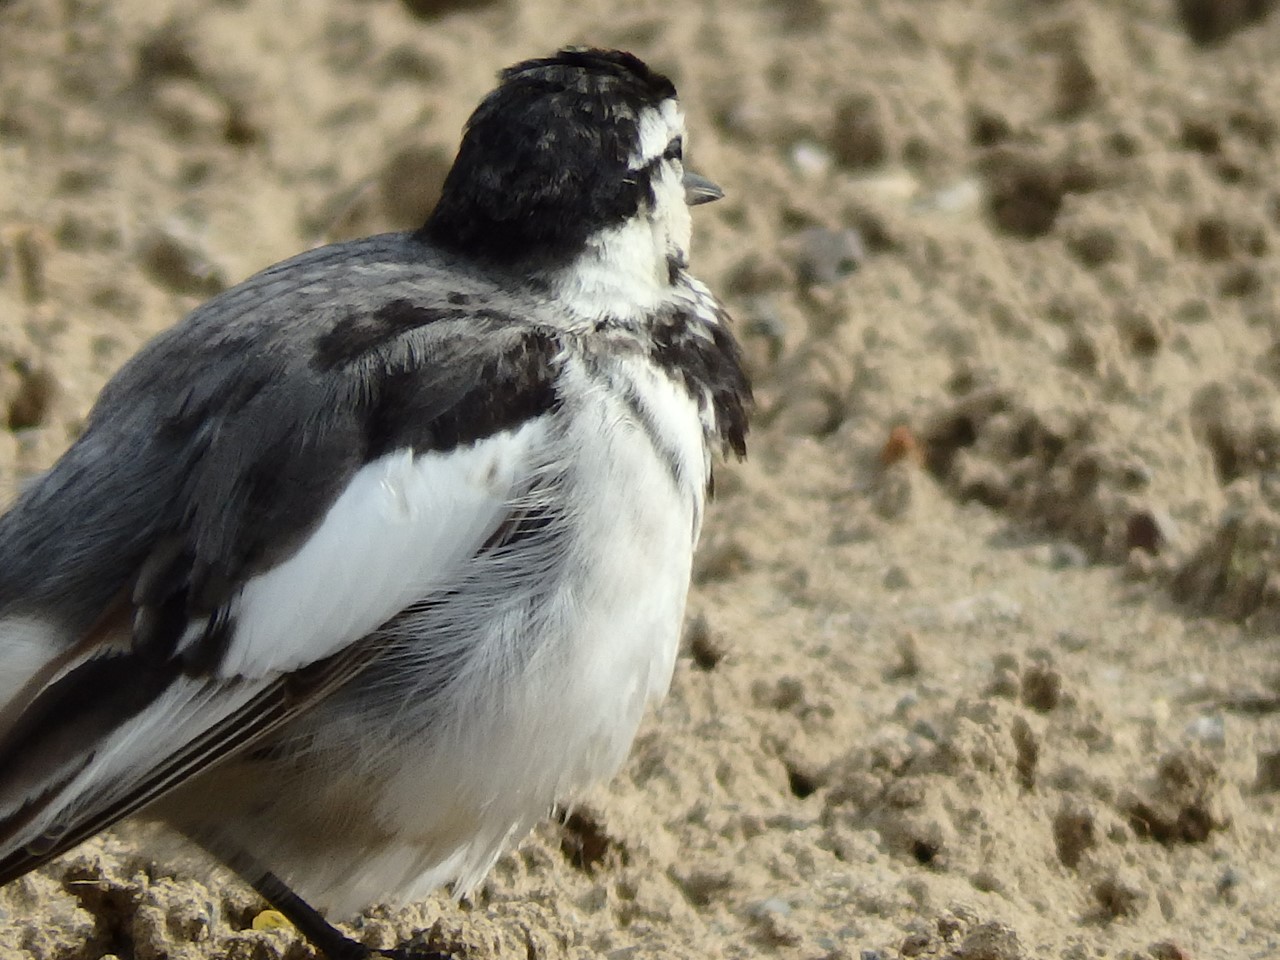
pixel 646 507
pixel 605 639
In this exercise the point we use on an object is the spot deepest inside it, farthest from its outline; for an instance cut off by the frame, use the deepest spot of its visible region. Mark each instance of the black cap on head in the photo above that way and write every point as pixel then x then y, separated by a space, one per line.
pixel 544 159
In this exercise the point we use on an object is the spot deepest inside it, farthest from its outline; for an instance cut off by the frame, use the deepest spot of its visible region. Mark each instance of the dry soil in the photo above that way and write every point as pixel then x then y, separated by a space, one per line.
pixel 981 656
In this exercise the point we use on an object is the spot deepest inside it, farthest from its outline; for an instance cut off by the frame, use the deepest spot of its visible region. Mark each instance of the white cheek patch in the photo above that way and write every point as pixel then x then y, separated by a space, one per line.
pixel 673 227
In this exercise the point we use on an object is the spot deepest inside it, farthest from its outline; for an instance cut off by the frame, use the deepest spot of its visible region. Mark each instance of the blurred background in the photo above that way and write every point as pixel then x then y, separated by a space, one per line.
pixel 981 658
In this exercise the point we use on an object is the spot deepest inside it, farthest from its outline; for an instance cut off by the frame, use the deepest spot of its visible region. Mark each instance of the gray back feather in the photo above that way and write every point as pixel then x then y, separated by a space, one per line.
pixel 236 429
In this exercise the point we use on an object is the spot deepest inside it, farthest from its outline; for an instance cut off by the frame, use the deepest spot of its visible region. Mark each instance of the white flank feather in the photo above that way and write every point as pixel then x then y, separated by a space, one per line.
pixel 399 531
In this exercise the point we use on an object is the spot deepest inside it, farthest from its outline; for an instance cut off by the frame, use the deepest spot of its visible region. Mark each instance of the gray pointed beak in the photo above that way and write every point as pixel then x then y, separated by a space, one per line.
pixel 699 190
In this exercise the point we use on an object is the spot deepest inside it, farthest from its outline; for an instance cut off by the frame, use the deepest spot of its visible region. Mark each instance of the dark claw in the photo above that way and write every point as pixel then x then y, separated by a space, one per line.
pixel 410 953
pixel 415 948
pixel 347 949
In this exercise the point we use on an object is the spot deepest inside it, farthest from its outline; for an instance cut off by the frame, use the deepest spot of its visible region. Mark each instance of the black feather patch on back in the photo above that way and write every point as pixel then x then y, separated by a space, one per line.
pixel 397 395
pixel 464 399
pixel 360 332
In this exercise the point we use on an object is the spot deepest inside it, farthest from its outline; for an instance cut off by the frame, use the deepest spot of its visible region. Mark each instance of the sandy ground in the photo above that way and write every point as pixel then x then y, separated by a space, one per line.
pixel 981 660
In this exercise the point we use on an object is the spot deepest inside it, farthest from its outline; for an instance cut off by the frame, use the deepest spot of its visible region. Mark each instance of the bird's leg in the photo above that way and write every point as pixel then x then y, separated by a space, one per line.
pixel 324 936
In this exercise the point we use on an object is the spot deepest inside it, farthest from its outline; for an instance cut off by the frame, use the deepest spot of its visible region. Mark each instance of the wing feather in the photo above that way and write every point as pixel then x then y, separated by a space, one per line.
pixel 400 532
pixel 256 493
pixel 105 801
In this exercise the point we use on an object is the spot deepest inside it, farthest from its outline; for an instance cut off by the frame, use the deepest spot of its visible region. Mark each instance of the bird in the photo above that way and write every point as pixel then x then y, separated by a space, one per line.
pixel 373 558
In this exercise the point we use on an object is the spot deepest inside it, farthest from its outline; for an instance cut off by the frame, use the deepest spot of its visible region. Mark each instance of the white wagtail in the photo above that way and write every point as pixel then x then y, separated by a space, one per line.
pixel 372 559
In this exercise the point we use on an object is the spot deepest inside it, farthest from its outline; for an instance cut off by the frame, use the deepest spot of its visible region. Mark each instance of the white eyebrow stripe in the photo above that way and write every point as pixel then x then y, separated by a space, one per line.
pixel 657 129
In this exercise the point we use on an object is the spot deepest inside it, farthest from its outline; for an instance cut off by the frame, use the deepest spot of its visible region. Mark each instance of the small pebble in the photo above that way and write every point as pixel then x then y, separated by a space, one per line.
pixel 1228 881
pixel 33 397
pixel 1167 950
pixel 31 248
pixel 1067 556
pixel 771 905
pixel 1119 896
pixel 1077 86
pixel 1209 730
pixel 902 445
pixel 906 703
pixel 188 109
pixel 990 941
pixel 271 920
pixel 1150 531
pixel 1005 683
pixel 926 731
pixel 178 264
pixel 1071 641
pixel 824 256
pixel 858 136
pixel 1041 688
pixel 762 319
pixel 959 197
pixel 896 578
pixel 704 647
pixel 909 661
pixel 810 159
pixel 1024 195
pixel 1268 779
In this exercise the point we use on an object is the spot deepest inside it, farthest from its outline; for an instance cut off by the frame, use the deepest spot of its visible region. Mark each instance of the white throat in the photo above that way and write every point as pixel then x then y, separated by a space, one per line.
pixel 623 273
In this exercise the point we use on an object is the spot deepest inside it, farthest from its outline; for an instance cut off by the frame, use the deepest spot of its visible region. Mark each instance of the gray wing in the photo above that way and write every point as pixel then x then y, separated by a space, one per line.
pixel 134 576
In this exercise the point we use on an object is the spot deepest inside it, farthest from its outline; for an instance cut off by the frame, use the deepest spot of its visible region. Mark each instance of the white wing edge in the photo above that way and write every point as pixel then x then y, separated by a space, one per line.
pixel 401 529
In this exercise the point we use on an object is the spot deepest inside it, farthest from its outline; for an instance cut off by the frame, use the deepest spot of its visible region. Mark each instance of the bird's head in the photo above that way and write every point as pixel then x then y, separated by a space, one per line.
pixel 575 159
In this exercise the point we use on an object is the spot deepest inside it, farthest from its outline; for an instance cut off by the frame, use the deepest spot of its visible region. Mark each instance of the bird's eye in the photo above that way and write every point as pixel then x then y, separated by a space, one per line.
pixel 675 150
